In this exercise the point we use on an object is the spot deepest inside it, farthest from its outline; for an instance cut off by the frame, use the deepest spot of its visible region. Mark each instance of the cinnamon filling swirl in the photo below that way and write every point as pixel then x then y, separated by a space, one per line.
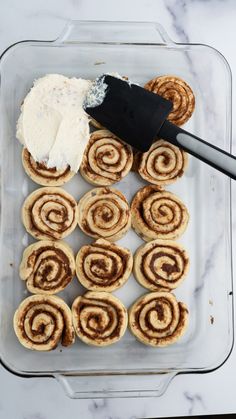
pixel 158 319
pixel 104 212
pixel 43 175
pixel 163 164
pixel 41 322
pixel 178 92
pixel 49 213
pixel 99 318
pixel 158 214
pixel 47 267
pixel 103 266
pixel 106 159
pixel 161 265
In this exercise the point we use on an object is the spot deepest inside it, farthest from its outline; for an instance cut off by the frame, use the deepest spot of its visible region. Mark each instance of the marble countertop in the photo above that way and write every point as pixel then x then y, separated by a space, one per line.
pixel 211 22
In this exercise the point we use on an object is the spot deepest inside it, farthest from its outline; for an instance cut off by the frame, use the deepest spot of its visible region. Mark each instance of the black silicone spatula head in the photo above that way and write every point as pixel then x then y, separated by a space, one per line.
pixel 130 112
pixel 138 117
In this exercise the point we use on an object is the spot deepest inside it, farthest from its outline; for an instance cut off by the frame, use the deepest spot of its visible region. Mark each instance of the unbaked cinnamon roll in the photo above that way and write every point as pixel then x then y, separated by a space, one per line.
pixel 99 318
pixel 43 175
pixel 104 212
pixel 163 163
pixel 103 266
pixel 178 92
pixel 41 322
pixel 50 213
pixel 106 159
pixel 161 265
pixel 47 266
pixel 158 214
pixel 158 319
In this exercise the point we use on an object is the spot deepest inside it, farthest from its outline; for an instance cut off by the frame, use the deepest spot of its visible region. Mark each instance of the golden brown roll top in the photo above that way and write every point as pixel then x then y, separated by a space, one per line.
pixel 50 213
pixel 42 321
pixel 99 318
pixel 104 212
pixel 158 214
pixel 103 266
pixel 47 266
pixel 43 175
pixel 161 265
pixel 106 159
pixel 158 319
pixel 178 92
pixel 163 164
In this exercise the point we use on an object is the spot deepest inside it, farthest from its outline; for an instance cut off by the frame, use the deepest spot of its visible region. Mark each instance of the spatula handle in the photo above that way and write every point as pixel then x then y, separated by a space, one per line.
pixel 208 153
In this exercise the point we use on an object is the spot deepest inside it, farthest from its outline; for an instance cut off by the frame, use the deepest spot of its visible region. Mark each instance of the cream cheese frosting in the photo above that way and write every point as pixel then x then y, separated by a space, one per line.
pixel 53 125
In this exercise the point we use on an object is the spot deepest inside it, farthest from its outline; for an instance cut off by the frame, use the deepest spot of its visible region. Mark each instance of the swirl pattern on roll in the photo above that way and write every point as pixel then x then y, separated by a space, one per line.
pixel 50 213
pixel 103 266
pixel 178 92
pixel 43 175
pixel 47 267
pixel 158 319
pixel 104 212
pixel 99 318
pixel 106 159
pixel 163 163
pixel 158 214
pixel 161 265
pixel 41 322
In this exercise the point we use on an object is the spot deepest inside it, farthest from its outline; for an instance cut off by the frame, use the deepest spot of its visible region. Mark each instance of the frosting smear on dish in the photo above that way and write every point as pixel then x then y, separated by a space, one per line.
pixel 53 125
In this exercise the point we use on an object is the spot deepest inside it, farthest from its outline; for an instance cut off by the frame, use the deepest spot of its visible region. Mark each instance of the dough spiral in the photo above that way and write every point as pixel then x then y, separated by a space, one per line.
pixel 43 175
pixel 42 321
pixel 103 266
pixel 178 92
pixel 47 267
pixel 99 318
pixel 158 319
pixel 163 164
pixel 158 214
pixel 50 213
pixel 161 265
pixel 104 212
pixel 106 159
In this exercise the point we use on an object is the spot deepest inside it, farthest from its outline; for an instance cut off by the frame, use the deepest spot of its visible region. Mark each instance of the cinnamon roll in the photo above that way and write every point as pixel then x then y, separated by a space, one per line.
pixel 47 266
pixel 43 175
pixel 103 266
pixel 158 319
pixel 161 265
pixel 50 213
pixel 104 212
pixel 42 321
pixel 99 318
pixel 178 92
pixel 158 214
pixel 163 163
pixel 106 159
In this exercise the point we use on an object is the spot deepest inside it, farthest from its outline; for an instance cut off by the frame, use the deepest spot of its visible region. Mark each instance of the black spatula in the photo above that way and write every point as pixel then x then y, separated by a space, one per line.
pixel 138 117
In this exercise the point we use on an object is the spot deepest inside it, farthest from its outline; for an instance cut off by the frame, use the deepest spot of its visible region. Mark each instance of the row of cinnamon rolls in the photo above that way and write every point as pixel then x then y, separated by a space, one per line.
pixel 108 160
pixel 48 267
pixel 51 213
pixel 98 318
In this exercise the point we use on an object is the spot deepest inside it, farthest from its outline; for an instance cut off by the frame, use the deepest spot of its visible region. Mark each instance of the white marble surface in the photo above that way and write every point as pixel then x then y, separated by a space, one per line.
pixel 211 22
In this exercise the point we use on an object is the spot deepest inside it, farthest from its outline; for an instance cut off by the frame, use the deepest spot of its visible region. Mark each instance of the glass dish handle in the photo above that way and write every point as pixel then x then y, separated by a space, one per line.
pixel 77 31
pixel 107 386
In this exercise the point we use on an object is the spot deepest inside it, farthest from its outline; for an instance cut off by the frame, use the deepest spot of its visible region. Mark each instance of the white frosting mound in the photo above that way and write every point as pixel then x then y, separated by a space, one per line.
pixel 53 125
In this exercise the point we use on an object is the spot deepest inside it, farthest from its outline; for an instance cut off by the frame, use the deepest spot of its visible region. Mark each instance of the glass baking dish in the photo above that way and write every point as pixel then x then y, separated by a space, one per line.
pixel 128 368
